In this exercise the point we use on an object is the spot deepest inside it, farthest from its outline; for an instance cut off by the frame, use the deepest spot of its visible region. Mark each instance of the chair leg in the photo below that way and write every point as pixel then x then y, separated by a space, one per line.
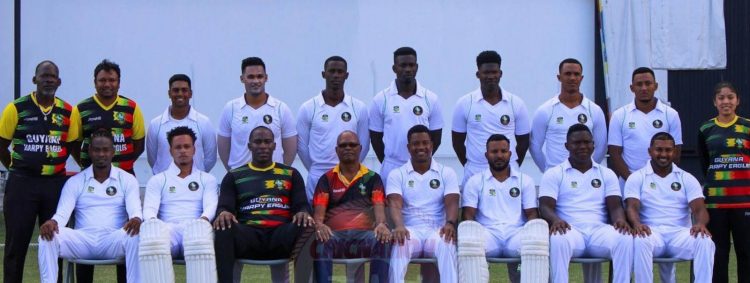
pixel 70 272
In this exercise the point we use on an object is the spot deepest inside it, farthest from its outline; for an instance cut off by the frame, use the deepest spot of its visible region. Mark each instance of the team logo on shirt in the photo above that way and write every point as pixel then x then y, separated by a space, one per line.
pixel 631 125
pixel 411 183
pixel 582 118
pixel 267 119
pixel 119 117
pixel 514 192
pixel 417 110
pixel 676 186
pixel 657 123
pixel 362 189
pixel 478 117
pixel 493 192
pixel 57 119
pixel 559 120
pixel 193 186
pixel 596 183
pixel 172 189
pixel 574 184
pixel 396 109
pixel 505 120
pixel 434 183
pixel 90 189
pixel 279 184
pixel 111 191
pixel 346 116
pixel 244 119
pixel 324 117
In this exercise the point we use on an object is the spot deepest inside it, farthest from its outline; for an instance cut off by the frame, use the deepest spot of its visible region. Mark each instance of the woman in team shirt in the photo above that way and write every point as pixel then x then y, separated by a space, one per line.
pixel 724 151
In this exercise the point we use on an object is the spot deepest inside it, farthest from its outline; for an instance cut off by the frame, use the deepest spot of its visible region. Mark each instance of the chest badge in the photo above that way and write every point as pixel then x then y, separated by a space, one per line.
pixel 676 186
pixel 434 183
pixel 652 185
pixel 193 186
pixel 396 109
pixel 362 189
pixel 346 116
pixel 574 184
pixel 111 191
pixel 514 192
pixel 631 125
pixel 244 119
pixel 582 118
pixel 57 119
pixel 478 117
pixel 418 110
pixel 559 120
pixel 493 192
pixel 90 189
pixel 596 183
pixel 279 184
pixel 505 120
pixel 267 119
pixel 410 183
pixel 657 124
pixel 119 117
pixel 172 189
pixel 324 117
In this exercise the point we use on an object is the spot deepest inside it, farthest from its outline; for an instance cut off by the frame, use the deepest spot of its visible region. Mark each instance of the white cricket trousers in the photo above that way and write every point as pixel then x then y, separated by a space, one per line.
pixel 673 242
pixel 425 242
pixel 88 243
pixel 595 240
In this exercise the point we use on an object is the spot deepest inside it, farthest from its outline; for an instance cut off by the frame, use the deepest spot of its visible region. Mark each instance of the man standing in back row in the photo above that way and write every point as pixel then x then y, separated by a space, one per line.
pixel 394 110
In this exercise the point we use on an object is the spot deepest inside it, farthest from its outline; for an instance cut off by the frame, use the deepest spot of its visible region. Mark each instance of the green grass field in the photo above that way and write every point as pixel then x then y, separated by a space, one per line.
pixel 498 272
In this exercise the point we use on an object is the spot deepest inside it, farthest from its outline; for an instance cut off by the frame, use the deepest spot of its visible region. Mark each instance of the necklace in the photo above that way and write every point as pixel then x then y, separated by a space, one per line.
pixel 46 113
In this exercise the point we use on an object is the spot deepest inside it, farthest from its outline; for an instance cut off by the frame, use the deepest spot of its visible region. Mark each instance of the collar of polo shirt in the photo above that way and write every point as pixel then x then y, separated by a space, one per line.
pixel 393 90
pixel 166 116
pixel 433 166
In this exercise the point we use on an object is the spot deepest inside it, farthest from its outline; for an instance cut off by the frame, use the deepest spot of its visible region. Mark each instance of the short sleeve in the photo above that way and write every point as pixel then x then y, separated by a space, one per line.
pixel 139 126
pixel 633 186
pixel 615 128
pixel 470 193
pixel 74 128
pixel 451 182
pixel 611 183
pixel 693 188
pixel 225 122
pixel 395 181
pixel 288 124
pixel 550 185
pixel 523 121
pixel 375 118
pixel 528 193
pixel 459 115
pixel 9 121
pixel 675 126
pixel 436 114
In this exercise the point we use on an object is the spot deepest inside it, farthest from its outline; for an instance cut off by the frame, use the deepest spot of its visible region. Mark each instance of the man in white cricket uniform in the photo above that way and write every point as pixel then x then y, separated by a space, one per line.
pixel 502 199
pixel 323 118
pixel 661 198
pixel 180 113
pixel 488 110
pixel 255 108
pixel 631 128
pixel 399 107
pixel 183 193
pixel 423 198
pixel 107 206
pixel 577 198
pixel 553 119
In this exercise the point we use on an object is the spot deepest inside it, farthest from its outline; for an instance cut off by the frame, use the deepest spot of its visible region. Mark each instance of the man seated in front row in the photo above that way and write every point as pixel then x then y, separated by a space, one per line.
pixel 179 204
pixel 496 203
pixel 262 209
pixel 349 201
pixel 577 198
pixel 107 207
pixel 660 198
pixel 423 200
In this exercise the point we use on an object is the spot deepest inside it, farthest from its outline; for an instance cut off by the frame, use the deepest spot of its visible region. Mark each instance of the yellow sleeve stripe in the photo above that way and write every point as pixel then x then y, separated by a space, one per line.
pixel 139 128
pixel 8 121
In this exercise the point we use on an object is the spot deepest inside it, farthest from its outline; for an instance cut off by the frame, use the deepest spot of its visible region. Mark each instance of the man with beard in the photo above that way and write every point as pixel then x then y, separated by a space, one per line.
pixel 579 198
pixel 661 198
pixel 349 201
pixel 501 199
pixel 38 126
pixel 178 207
pixel 399 107
pixel 255 108
pixel 489 110
pixel 423 200
pixel 325 116
pixel 107 205
pixel 180 113
pixel 262 209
